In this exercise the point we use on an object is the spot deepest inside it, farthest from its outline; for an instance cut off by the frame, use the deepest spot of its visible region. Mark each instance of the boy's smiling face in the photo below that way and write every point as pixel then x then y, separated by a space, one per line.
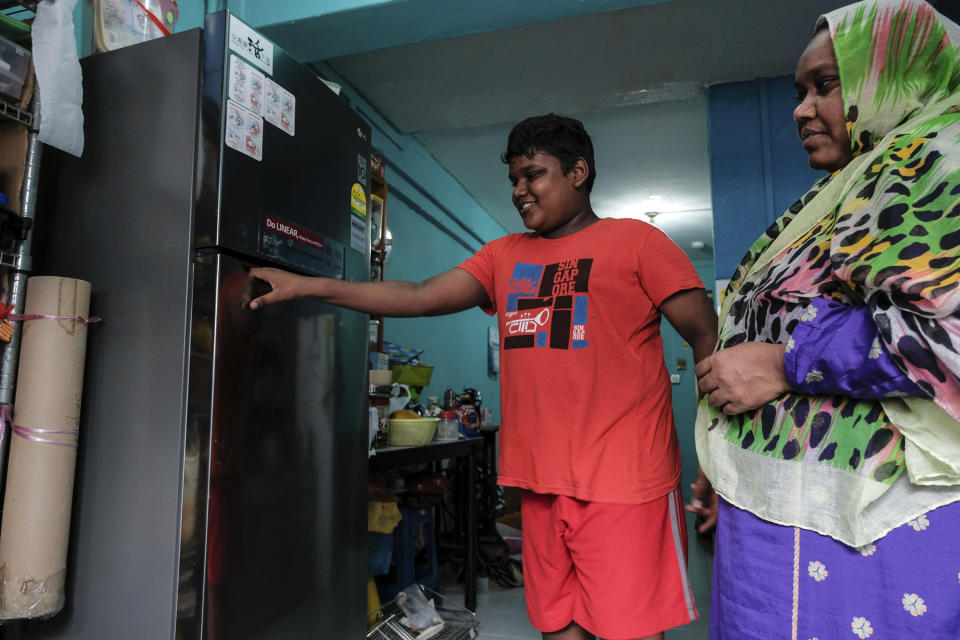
pixel 548 200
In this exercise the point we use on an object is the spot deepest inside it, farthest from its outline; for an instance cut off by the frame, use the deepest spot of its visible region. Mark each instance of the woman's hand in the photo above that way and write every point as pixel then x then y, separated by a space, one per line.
pixel 743 377
pixel 284 286
pixel 705 502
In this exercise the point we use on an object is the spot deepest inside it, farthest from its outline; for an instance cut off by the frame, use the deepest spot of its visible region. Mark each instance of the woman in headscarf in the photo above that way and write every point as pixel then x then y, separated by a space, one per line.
pixel 830 422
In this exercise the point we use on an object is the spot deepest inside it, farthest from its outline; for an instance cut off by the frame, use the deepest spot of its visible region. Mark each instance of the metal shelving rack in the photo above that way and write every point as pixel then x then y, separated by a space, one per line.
pixel 459 623
pixel 19 262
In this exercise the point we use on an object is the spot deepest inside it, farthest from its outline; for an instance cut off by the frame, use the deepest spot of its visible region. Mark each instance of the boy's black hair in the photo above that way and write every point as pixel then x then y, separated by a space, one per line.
pixel 563 138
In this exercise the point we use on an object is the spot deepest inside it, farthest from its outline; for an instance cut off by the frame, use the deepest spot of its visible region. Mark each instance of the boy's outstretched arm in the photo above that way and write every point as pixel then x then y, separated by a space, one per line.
pixel 691 313
pixel 447 292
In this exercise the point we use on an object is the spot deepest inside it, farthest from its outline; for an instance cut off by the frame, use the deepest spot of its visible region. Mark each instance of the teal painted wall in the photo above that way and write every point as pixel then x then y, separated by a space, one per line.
pixel 436 225
pixel 685 393
pixel 312 30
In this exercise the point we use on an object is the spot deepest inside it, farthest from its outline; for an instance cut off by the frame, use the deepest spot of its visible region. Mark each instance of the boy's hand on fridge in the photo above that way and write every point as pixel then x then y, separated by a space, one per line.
pixel 283 286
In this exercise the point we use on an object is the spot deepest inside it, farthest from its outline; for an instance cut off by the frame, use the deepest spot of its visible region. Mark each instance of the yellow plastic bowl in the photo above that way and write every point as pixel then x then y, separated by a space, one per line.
pixel 411 432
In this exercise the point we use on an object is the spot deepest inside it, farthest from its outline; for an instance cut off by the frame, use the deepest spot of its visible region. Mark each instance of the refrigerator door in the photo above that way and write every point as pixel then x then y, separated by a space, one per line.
pixel 287 463
pixel 279 194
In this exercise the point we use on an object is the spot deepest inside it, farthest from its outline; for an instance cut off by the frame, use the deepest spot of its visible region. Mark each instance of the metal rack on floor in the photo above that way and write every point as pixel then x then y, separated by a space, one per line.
pixel 459 622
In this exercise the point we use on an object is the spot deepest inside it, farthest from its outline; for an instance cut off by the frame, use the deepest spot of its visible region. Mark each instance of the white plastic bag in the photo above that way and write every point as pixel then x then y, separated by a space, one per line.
pixel 420 612
pixel 399 397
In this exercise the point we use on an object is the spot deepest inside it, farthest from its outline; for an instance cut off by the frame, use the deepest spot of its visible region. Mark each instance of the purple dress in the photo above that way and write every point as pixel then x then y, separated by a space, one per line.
pixel 896 588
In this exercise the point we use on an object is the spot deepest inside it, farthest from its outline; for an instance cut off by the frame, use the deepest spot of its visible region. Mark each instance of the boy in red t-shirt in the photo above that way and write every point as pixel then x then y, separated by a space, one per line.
pixel 586 423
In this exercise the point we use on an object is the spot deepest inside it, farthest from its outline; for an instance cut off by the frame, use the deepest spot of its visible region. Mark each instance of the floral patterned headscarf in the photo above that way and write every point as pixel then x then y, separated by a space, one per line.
pixel 895 57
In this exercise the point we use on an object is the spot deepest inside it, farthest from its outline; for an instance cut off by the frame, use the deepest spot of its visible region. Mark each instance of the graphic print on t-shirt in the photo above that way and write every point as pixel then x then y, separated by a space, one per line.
pixel 547 305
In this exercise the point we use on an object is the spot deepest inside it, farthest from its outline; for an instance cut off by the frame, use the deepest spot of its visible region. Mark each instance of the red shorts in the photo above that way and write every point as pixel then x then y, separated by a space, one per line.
pixel 617 570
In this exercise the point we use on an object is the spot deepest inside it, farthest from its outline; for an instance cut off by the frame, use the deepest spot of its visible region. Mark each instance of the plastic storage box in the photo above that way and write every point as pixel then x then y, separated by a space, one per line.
pixel 14 67
pixel 415 375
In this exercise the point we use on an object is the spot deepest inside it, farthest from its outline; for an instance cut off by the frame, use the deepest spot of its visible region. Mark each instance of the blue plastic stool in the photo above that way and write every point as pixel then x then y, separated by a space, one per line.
pixel 407 572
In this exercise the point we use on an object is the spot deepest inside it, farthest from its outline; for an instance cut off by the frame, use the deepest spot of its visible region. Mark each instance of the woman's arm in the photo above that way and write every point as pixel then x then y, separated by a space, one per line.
pixel 835 350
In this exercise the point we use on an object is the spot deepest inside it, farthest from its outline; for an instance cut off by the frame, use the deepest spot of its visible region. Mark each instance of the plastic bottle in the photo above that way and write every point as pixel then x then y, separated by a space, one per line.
pixel 449 426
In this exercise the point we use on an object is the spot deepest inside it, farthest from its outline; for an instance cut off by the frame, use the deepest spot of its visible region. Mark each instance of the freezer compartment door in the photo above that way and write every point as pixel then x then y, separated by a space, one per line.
pixel 286 515
pixel 300 197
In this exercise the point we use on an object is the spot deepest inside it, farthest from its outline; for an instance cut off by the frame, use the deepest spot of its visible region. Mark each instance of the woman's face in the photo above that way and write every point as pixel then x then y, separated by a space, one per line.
pixel 820 114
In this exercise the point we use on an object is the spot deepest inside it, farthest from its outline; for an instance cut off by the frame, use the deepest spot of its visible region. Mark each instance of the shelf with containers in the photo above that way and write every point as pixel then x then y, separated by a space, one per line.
pixel 20 150
pixel 380 381
pixel 380 240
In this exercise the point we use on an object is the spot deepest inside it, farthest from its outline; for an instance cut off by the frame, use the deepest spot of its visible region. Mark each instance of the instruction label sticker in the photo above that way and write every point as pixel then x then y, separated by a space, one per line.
pixel 246 85
pixel 358 201
pixel 244 131
pixel 280 107
pixel 251 45
pixel 359 239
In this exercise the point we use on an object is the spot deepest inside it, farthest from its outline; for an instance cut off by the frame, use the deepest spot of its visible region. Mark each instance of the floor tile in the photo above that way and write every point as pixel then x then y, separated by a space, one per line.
pixel 508 624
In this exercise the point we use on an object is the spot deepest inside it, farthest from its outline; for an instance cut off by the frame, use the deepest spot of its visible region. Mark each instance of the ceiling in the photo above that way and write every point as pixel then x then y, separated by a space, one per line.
pixel 634 76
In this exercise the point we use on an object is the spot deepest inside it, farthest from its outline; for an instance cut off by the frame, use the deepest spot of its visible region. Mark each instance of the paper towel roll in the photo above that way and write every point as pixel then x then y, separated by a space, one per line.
pixel 40 471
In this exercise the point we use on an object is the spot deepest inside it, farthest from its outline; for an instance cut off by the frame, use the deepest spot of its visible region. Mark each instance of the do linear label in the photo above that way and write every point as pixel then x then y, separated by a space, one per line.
pixel 292 231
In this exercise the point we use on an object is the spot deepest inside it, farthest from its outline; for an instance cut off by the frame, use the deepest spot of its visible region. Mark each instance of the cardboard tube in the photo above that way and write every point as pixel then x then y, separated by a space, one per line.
pixel 40 474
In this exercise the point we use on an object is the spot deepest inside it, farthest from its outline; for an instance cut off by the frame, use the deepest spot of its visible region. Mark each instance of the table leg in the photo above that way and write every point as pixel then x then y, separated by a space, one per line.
pixel 470 595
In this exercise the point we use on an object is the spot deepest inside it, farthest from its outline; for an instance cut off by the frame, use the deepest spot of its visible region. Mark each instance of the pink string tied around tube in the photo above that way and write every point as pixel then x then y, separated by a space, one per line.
pixel 34 435
pixel 20 317
pixel 30 433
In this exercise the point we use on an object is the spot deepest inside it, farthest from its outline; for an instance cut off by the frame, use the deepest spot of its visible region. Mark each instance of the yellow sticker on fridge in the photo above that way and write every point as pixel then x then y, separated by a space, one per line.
pixel 358 201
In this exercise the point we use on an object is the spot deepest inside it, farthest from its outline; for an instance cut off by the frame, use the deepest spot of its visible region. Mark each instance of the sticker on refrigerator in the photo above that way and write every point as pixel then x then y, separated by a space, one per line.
pixel 246 85
pixel 361 169
pixel 358 234
pixel 280 107
pixel 358 201
pixel 251 45
pixel 291 243
pixel 244 131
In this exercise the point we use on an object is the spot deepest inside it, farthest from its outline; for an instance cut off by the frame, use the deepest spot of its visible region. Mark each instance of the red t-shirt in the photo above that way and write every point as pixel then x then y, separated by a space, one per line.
pixel 584 392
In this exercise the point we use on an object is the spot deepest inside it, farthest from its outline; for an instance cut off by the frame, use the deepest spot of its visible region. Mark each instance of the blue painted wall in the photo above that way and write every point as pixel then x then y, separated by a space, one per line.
pixel 757 166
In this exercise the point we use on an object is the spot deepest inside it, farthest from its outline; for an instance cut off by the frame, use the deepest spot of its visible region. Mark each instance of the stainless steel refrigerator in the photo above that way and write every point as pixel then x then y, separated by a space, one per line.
pixel 221 480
